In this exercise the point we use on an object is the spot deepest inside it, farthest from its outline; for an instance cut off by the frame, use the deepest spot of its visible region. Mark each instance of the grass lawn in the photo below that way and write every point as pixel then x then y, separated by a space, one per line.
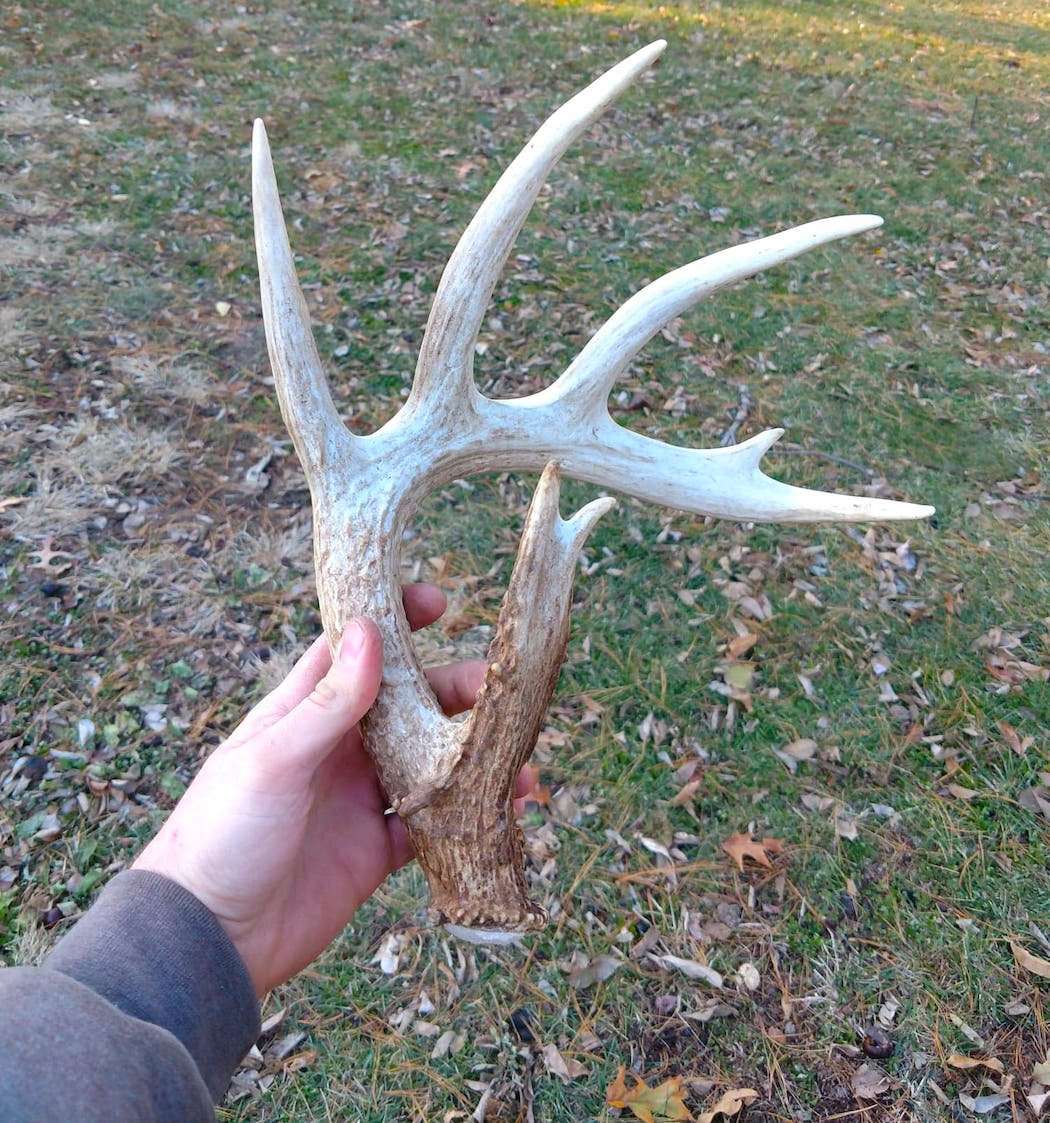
pixel 875 698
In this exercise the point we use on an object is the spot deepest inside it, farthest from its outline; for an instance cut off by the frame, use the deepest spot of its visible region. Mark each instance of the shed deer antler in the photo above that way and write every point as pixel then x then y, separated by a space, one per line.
pixel 452 783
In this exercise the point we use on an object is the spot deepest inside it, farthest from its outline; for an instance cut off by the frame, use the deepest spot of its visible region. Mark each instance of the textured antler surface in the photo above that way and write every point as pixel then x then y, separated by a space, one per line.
pixel 451 782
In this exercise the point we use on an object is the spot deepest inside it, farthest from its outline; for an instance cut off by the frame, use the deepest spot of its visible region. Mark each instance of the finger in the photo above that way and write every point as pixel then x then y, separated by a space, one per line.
pixel 308 732
pixel 457 684
pixel 297 684
pixel 524 787
pixel 423 604
pixel 401 852
pixel 526 783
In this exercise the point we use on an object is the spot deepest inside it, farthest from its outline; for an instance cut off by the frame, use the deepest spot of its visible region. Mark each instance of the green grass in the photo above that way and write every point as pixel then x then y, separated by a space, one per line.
pixel 918 354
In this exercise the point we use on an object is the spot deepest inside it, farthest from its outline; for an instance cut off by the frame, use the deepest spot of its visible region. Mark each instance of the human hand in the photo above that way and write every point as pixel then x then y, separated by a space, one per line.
pixel 282 833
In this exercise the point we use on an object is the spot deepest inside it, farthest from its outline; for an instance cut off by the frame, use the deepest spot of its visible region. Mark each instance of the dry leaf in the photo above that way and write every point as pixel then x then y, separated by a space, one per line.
pixel 741 846
pixel 448 1042
pixel 686 793
pixel 1036 799
pixel 888 1011
pixel 957 1060
pixel 600 968
pixel 1013 738
pixel 1029 962
pixel 845 826
pixel 730 1103
pixel 557 1065
pixel 741 645
pixel 983 1104
pixel 748 974
pixel 690 968
pixel 389 952
pixel 966 1030
pixel 662 1104
pixel 795 751
pixel 1041 1071
pixel 869 1082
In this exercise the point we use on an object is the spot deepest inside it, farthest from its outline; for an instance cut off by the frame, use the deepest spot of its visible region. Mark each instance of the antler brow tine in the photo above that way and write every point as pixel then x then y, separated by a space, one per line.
pixel 302 388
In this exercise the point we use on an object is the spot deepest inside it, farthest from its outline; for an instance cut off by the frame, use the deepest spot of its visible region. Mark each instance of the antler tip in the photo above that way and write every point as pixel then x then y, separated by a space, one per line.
pixel 867 222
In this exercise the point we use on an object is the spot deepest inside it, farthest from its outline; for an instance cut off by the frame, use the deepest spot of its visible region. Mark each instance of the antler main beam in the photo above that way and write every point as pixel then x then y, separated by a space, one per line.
pixel 365 490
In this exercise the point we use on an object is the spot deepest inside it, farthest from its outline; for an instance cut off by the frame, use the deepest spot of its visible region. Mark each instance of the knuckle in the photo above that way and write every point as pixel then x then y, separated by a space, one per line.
pixel 327 698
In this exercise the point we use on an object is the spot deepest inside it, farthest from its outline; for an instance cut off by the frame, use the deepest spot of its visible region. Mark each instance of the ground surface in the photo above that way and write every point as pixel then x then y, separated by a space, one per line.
pixel 874 698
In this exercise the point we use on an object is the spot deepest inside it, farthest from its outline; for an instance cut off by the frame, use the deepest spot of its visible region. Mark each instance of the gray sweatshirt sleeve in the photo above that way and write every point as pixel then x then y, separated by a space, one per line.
pixel 139 1015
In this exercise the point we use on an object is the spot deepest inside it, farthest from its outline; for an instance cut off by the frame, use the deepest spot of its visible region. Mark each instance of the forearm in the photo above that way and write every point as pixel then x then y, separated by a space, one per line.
pixel 140 1014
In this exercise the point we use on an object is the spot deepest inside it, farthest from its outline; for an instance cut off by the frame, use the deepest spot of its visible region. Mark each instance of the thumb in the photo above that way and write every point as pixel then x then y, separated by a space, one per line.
pixel 338 701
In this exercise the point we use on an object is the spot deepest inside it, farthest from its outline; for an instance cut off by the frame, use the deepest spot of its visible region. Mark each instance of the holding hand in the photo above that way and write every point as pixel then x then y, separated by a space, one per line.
pixel 283 834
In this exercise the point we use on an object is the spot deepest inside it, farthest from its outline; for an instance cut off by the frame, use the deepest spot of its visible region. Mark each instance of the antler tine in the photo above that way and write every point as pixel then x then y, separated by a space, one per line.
pixel 302 388
pixel 585 385
pixel 444 373
pixel 722 482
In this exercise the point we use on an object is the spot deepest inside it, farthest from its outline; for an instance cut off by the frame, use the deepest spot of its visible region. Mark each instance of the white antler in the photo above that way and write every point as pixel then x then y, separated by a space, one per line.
pixel 453 783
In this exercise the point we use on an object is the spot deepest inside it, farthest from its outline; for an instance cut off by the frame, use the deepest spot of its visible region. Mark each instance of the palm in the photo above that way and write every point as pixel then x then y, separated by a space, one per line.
pixel 349 847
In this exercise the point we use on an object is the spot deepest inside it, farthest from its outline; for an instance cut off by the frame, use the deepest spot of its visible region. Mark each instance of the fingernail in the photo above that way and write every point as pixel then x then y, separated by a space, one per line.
pixel 353 640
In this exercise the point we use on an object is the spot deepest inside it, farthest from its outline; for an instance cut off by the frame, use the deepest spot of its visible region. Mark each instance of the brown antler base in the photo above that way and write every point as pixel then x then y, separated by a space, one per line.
pixel 465 834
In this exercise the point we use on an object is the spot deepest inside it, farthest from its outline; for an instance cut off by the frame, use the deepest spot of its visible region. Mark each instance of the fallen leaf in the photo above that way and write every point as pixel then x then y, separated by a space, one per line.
pixel 741 846
pixel 957 1060
pixel 1041 1071
pixel 690 968
pixel 813 802
pixel 749 976
pixel 448 1042
pixel 300 1061
pixel 966 1030
pixel 1029 962
pixel 389 952
pixel 600 968
pixel 45 556
pixel 869 1082
pixel 730 1103
pixel 711 1008
pixel 655 847
pixel 795 751
pixel 1013 738
pixel 686 793
pixel 983 1104
pixel 557 1065
pixel 845 826
pixel 739 675
pixel 1036 799
pixel 662 1104
pixel 888 1011
pixel 741 645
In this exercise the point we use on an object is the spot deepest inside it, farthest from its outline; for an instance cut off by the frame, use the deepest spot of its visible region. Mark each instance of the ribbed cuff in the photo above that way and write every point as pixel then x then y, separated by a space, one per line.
pixel 156 952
